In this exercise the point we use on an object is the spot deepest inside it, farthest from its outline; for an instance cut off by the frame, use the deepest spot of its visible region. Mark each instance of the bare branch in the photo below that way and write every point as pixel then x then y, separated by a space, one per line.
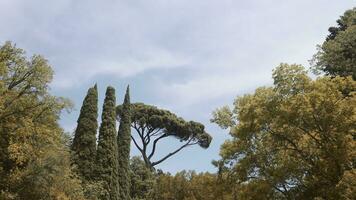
pixel 155 144
pixel 174 152
pixel 154 133
pixel 138 147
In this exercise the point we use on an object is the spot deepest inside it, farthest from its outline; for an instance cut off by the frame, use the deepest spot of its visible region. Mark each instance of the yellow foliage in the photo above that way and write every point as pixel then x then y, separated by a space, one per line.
pixel 34 161
pixel 297 136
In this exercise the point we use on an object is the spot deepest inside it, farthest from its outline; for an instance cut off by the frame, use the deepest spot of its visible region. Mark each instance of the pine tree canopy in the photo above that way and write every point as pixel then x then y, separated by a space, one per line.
pixel 153 124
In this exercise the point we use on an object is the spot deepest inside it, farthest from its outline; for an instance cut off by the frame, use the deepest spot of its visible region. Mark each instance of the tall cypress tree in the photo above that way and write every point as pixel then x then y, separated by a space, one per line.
pixel 124 140
pixel 84 142
pixel 107 163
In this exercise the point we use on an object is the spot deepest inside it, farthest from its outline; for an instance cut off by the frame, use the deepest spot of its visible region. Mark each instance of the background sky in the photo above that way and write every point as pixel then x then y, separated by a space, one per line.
pixel 187 56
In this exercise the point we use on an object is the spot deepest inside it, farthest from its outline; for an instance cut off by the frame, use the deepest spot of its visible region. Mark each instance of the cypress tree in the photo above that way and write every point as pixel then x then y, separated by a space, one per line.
pixel 84 142
pixel 107 163
pixel 124 140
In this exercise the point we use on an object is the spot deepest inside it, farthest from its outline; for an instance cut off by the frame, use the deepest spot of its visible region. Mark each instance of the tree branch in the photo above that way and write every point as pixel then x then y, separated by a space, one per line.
pixel 174 152
pixel 155 144
pixel 27 109
pixel 138 147
pixel 15 83
pixel 154 133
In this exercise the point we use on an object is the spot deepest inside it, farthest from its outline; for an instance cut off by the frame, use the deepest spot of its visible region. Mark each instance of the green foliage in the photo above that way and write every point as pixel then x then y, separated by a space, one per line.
pixel 107 162
pixel 142 180
pixel 188 185
pixel 153 124
pixel 123 141
pixel 84 142
pixel 293 140
pixel 94 190
pixel 223 116
pixel 337 55
pixel 345 21
pixel 347 185
pixel 34 160
pixel 173 187
pixel 49 177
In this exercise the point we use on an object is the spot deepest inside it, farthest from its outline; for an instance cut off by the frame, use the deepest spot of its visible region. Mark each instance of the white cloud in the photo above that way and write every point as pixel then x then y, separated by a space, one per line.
pixel 213 86
pixel 87 69
pixel 84 39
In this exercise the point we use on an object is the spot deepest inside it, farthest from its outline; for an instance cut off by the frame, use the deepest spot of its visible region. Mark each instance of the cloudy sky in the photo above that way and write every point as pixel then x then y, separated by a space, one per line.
pixel 188 56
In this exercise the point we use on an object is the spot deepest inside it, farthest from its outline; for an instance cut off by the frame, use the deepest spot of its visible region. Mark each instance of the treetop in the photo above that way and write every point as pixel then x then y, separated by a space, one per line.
pixel 153 118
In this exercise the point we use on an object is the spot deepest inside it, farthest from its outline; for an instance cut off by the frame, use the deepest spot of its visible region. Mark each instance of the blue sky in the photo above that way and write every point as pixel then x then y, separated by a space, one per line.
pixel 188 56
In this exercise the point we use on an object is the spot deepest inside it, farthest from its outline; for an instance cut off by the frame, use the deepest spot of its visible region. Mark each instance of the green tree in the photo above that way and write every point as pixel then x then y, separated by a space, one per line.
pixel 293 140
pixel 107 162
pixel 337 55
pixel 175 187
pixel 142 180
pixel 347 185
pixel 346 20
pixel 84 142
pixel 123 141
pixel 189 185
pixel 153 124
pixel 34 160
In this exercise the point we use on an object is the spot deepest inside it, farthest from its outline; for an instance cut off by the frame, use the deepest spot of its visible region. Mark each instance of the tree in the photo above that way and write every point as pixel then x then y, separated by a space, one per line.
pixel 345 21
pixel 34 160
pixel 106 157
pixel 123 141
pixel 347 185
pixel 293 140
pixel 173 187
pixel 337 55
pixel 84 142
pixel 189 185
pixel 153 124
pixel 142 180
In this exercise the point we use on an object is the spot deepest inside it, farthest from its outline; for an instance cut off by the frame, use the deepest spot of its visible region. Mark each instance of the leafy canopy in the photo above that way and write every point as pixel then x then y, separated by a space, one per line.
pixel 293 140
pixel 142 179
pixel 153 124
pixel 34 160
pixel 337 55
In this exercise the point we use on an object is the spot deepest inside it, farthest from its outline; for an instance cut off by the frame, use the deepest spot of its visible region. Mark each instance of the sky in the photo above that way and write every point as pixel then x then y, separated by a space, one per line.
pixel 187 56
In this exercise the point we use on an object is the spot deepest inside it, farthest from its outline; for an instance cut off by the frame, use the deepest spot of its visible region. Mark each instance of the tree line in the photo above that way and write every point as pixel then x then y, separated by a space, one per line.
pixel 292 140
pixel 103 164
pixel 35 150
